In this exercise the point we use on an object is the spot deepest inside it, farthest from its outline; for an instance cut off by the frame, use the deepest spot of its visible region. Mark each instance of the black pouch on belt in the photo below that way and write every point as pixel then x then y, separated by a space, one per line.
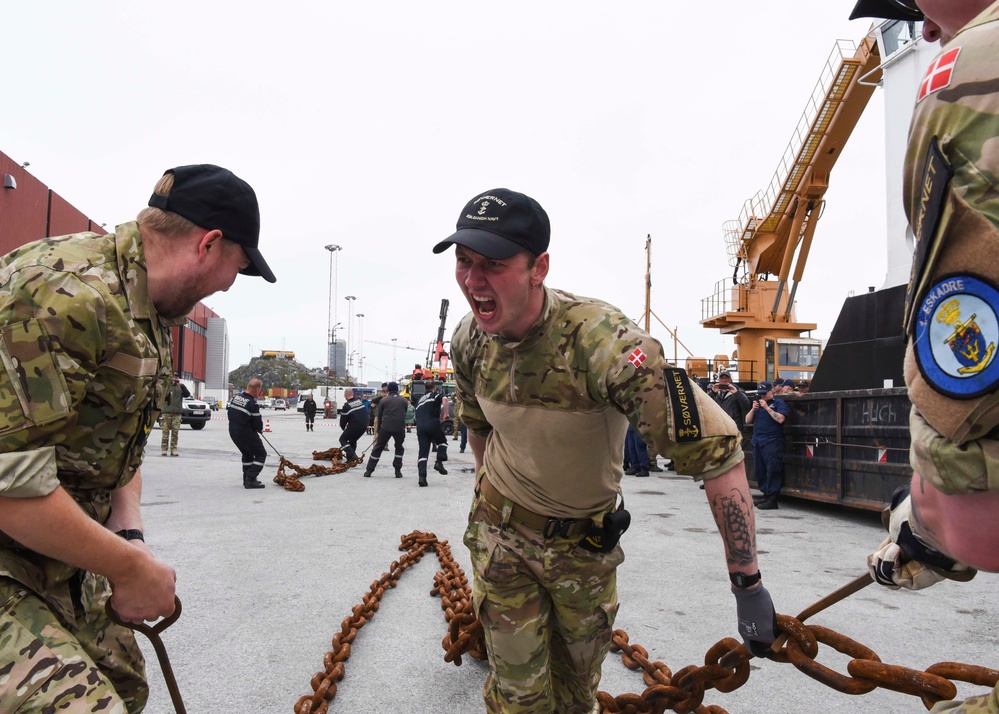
pixel 602 538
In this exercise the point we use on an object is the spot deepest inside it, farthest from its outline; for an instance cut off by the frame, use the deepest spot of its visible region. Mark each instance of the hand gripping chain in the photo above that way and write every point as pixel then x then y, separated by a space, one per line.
pixel 291 480
pixel 726 664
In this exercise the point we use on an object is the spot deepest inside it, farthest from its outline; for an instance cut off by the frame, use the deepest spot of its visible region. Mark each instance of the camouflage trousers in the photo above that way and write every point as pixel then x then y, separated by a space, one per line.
pixel 170 424
pixel 47 665
pixel 547 608
pixel 982 704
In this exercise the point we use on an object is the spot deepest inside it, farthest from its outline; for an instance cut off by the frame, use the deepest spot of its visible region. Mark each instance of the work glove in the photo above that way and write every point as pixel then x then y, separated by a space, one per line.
pixel 905 561
pixel 757 619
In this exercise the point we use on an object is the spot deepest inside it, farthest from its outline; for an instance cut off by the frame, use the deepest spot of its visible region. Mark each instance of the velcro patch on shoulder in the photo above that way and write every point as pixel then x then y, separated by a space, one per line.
pixel 933 189
pixel 686 419
pixel 957 329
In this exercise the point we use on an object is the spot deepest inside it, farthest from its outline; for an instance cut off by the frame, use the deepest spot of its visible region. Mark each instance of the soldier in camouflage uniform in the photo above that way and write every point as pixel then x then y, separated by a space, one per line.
pixel 548 384
pixel 170 416
pixel 85 358
pixel 948 517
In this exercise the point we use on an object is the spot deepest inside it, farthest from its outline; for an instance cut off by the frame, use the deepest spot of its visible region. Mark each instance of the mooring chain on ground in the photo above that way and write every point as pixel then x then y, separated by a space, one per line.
pixel 682 692
pixel 456 601
pixel 291 480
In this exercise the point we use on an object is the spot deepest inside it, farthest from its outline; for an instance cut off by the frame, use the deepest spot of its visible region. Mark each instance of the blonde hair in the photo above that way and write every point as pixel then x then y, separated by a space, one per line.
pixel 163 222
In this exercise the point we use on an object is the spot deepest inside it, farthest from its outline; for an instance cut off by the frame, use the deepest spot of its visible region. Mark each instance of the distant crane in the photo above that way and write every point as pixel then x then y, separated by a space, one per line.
pixel 393 344
pixel 440 355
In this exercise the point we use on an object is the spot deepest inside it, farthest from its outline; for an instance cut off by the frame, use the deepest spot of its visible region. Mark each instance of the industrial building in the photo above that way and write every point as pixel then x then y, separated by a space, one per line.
pixel 30 210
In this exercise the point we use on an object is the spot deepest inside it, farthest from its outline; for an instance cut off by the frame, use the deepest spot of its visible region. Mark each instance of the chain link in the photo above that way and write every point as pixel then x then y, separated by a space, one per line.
pixel 291 480
pixel 682 692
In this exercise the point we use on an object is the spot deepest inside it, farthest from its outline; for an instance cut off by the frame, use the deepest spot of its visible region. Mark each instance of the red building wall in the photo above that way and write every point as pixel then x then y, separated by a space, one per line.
pixel 32 211
pixel 23 210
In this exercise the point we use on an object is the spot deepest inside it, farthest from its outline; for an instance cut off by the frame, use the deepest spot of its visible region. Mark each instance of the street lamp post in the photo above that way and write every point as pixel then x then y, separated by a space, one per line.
pixel 333 357
pixel 331 312
pixel 394 375
pixel 360 347
pixel 350 299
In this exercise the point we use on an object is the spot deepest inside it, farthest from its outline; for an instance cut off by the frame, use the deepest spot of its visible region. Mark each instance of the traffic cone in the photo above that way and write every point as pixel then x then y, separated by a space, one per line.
pixel 267 426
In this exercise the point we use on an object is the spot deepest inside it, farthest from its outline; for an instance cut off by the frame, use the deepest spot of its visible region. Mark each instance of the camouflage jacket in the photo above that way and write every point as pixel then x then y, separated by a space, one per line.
pixel 555 406
pixel 173 402
pixel 85 362
pixel 951 197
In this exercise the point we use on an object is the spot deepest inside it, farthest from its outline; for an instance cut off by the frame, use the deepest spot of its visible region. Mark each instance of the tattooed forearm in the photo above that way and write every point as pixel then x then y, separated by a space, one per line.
pixel 733 515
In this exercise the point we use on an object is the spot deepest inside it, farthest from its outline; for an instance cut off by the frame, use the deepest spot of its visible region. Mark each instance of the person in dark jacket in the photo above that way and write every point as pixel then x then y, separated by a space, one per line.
pixel 309 409
pixel 391 417
pixel 730 398
pixel 245 427
pixel 353 421
pixel 429 431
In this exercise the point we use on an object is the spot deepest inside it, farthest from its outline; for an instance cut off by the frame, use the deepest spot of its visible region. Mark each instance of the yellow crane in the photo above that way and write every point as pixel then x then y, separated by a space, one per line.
pixel 774 231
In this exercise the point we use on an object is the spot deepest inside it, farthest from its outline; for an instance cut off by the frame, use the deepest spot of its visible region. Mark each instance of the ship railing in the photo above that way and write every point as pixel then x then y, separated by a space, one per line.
pixel 763 210
pixel 718 302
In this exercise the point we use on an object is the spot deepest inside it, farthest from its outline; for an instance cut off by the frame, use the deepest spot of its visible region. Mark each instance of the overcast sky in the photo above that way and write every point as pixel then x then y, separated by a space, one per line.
pixel 370 124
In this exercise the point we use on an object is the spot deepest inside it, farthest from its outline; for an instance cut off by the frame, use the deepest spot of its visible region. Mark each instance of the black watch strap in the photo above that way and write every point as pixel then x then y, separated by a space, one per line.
pixel 130 534
pixel 741 580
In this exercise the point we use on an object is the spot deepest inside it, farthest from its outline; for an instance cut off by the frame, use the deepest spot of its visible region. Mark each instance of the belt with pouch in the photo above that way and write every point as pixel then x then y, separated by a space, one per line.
pixel 548 526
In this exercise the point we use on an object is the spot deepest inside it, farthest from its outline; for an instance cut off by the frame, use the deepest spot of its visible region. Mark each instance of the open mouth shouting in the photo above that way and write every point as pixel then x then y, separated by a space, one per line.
pixel 484 307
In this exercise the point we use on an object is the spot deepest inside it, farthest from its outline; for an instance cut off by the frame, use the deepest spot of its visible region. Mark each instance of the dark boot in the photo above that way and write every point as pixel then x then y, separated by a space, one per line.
pixel 642 473
pixel 631 471
pixel 252 483
pixel 439 468
pixel 423 480
pixel 654 467
pixel 367 474
pixel 398 473
pixel 768 504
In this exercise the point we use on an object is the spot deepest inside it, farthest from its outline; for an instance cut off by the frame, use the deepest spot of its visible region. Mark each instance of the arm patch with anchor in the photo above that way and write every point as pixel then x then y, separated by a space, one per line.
pixel 686 418
pixel 933 191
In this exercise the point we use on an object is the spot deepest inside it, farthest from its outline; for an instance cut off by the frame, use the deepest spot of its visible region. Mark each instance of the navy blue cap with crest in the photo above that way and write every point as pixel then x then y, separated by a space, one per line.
pixel 887 9
pixel 499 224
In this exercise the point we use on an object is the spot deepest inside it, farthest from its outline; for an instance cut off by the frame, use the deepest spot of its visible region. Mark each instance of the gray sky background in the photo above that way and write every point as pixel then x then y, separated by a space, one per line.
pixel 370 124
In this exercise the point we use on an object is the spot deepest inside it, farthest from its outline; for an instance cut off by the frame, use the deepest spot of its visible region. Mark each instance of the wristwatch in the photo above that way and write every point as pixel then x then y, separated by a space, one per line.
pixel 741 580
pixel 130 534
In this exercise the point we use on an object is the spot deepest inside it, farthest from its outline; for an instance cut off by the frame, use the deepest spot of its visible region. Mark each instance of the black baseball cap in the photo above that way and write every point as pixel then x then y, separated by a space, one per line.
pixel 215 198
pixel 887 9
pixel 499 224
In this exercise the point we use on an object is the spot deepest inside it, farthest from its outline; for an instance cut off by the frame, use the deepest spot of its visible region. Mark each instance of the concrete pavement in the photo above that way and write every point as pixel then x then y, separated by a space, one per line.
pixel 266 576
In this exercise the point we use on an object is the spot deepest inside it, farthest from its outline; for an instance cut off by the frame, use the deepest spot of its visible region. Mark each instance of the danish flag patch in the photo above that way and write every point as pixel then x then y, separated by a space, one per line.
pixel 939 73
pixel 637 357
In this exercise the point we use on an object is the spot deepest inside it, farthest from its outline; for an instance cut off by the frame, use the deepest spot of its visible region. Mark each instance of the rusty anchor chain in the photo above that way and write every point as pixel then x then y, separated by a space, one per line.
pixel 725 668
pixel 289 474
pixel 464 631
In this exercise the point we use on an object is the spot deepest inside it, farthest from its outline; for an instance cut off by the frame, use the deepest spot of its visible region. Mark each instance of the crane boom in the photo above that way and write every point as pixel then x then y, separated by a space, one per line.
pixel 439 349
pixel 774 231
pixel 394 345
